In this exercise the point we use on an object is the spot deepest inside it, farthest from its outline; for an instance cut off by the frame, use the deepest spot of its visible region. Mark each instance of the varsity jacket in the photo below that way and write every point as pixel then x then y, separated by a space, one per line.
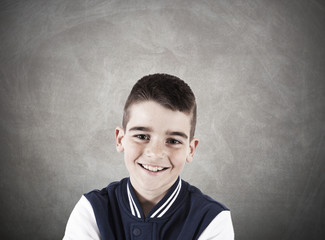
pixel 115 213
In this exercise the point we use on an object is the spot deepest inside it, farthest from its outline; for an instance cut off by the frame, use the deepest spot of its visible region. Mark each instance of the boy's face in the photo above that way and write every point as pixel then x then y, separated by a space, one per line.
pixel 156 145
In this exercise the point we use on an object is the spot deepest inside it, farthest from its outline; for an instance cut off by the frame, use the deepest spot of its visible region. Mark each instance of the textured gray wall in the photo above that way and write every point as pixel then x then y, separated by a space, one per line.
pixel 256 67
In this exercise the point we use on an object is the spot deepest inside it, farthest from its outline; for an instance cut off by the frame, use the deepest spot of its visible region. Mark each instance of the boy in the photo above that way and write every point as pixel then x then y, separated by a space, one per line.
pixel 157 139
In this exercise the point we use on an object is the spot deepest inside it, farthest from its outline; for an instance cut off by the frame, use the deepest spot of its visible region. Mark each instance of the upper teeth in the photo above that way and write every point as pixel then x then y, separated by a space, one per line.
pixel 153 169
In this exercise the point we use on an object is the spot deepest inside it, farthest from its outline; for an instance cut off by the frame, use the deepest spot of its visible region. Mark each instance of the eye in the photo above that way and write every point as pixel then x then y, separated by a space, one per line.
pixel 142 137
pixel 173 141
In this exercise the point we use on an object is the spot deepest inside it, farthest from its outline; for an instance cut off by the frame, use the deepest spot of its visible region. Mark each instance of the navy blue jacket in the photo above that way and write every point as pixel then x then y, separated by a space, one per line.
pixel 183 213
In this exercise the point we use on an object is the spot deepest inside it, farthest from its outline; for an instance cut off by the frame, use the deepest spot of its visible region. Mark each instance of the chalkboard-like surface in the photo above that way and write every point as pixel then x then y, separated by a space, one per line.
pixel 256 67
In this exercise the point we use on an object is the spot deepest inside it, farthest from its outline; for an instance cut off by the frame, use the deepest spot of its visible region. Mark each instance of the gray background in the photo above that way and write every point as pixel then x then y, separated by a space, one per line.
pixel 256 67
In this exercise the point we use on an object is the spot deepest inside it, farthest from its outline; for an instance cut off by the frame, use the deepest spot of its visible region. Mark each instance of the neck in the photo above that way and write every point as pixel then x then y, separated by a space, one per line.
pixel 149 198
pixel 148 201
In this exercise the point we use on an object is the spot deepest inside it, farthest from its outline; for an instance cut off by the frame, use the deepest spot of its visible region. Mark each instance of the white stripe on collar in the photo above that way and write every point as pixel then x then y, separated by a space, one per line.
pixel 132 203
pixel 169 201
pixel 163 209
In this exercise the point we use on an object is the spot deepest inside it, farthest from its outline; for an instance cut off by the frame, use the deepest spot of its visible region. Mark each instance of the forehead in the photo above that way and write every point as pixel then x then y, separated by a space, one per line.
pixel 153 115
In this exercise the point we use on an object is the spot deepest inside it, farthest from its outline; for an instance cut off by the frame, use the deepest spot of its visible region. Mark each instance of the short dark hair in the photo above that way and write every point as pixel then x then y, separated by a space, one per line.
pixel 167 90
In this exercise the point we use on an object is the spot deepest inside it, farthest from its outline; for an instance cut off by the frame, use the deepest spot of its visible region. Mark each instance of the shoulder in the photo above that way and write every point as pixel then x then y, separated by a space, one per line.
pixel 92 208
pixel 203 200
pixel 103 194
pixel 82 222
pixel 104 191
pixel 220 228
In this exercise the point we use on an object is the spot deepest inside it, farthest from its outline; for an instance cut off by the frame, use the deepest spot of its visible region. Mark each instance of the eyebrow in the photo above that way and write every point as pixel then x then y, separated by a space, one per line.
pixel 148 129
pixel 144 129
pixel 181 134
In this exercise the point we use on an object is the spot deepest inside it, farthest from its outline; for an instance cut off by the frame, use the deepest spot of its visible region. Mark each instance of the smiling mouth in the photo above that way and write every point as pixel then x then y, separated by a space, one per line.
pixel 151 168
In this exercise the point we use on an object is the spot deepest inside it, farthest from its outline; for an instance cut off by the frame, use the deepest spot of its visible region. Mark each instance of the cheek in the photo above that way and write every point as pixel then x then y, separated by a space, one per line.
pixel 131 151
pixel 179 158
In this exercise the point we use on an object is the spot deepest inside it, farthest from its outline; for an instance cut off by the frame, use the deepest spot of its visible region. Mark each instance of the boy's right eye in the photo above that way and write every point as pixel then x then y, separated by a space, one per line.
pixel 142 137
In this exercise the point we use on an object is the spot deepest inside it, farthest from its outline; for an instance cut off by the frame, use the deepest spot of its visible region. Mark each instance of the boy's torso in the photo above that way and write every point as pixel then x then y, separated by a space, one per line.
pixel 183 213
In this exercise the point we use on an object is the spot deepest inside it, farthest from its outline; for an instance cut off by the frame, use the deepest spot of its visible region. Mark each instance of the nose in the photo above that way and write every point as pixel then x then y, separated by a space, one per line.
pixel 155 149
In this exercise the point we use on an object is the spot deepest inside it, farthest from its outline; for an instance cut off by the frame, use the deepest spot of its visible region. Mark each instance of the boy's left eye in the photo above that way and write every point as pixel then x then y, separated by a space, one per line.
pixel 173 141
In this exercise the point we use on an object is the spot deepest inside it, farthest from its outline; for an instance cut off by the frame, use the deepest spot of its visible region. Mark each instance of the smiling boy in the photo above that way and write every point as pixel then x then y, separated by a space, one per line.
pixel 157 139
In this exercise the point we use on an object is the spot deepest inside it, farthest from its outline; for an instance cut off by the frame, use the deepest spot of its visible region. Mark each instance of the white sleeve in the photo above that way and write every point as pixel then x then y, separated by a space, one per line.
pixel 220 228
pixel 82 222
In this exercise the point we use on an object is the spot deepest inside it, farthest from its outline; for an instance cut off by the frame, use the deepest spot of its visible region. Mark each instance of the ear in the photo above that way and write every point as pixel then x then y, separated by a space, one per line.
pixel 193 144
pixel 119 134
